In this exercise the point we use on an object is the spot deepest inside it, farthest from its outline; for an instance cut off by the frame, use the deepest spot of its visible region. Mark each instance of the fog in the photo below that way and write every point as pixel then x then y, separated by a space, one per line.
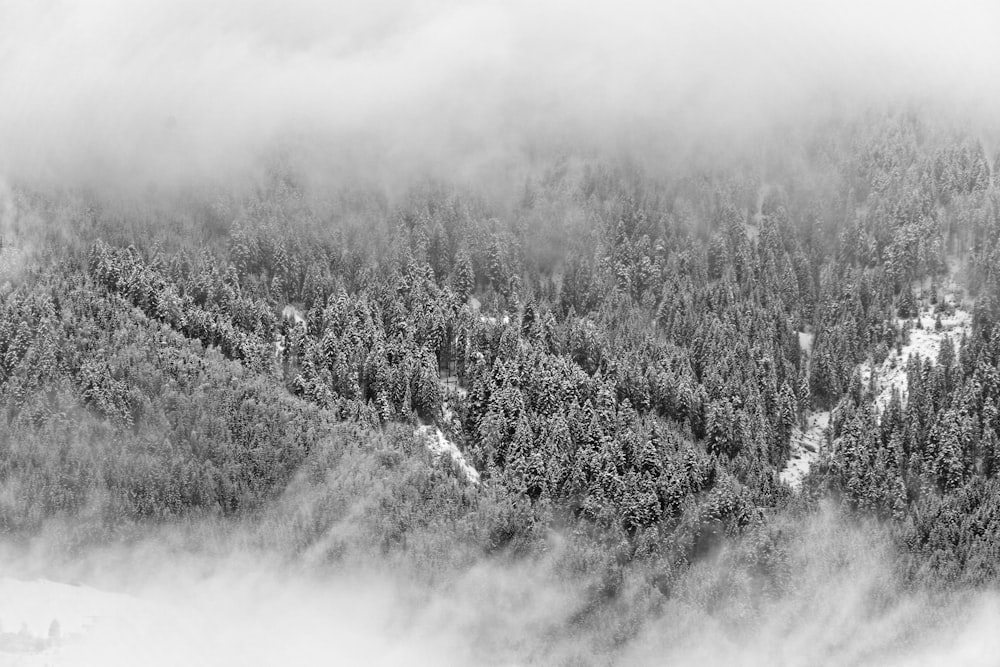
pixel 119 97
pixel 167 93
pixel 156 602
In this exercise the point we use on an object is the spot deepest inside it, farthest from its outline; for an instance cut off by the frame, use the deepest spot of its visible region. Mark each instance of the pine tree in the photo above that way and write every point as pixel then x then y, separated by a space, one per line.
pixel 464 277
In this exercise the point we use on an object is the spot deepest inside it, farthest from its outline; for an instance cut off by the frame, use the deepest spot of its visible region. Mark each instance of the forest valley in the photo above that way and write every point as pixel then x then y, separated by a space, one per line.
pixel 665 389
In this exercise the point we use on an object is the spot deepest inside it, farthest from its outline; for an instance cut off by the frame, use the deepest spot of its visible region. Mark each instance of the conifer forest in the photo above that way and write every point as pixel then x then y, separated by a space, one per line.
pixel 697 396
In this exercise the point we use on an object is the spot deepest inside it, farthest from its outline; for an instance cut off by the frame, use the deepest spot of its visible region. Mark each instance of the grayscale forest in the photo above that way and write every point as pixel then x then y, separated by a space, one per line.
pixel 684 394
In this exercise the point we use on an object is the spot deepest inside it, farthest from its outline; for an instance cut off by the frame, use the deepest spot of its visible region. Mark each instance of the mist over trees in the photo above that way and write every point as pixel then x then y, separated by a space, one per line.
pixel 616 353
pixel 676 347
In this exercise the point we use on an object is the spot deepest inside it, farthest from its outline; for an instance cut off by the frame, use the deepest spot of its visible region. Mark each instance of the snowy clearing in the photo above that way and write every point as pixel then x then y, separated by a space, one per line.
pixel 439 445
pixel 437 442
pixel 805 444
pixel 806 342
pixel 805 447
pixel 493 321
pixel 924 341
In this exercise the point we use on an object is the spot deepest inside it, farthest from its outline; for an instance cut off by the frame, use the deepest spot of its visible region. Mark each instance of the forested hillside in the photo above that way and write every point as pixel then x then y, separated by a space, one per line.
pixel 625 356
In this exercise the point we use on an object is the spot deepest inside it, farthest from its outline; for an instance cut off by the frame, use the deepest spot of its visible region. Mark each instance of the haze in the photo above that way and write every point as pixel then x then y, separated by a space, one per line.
pixel 151 341
pixel 165 93
pixel 237 606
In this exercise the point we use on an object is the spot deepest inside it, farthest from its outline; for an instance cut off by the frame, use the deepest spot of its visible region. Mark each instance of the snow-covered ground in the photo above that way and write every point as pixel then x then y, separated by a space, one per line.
pixel 805 447
pixel 493 321
pixel 925 341
pixel 806 343
pixel 439 445
pixel 436 440
pixel 805 443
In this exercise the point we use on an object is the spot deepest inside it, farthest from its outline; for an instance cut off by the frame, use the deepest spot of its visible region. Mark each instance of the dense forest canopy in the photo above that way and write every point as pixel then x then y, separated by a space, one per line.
pixel 569 354
pixel 610 355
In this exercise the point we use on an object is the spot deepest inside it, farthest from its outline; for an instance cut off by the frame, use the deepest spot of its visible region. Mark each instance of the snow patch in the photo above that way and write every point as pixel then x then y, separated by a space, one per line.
pixel 493 321
pixel 806 342
pixel 437 442
pixel 925 341
pixel 439 445
pixel 805 443
pixel 805 448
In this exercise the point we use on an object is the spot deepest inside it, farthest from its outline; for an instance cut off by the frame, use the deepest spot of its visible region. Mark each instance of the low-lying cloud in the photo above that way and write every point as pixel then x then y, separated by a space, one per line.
pixel 840 602
pixel 166 93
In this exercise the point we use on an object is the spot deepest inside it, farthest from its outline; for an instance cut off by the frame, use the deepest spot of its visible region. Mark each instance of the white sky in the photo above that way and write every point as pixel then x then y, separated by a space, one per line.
pixel 180 90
